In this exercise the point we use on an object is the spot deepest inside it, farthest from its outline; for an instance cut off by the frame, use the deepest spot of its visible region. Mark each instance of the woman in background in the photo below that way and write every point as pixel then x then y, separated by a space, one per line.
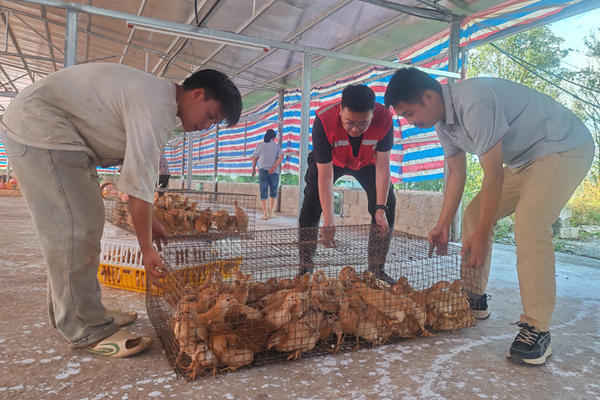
pixel 268 156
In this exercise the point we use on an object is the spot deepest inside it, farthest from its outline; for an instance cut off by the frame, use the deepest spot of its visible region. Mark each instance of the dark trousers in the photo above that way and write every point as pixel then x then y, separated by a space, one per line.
pixel 310 213
pixel 163 183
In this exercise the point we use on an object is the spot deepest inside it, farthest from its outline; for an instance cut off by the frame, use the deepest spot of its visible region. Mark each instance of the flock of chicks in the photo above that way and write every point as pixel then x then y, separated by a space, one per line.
pixel 179 215
pixel 225 325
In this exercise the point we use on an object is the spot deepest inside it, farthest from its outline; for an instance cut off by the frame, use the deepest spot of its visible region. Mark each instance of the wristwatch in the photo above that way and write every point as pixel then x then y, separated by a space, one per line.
pixel 381 207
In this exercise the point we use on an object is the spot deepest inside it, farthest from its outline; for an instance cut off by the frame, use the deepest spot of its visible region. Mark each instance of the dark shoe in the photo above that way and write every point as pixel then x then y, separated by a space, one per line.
pixel 530 346
pixel 479 305
pixel 380 274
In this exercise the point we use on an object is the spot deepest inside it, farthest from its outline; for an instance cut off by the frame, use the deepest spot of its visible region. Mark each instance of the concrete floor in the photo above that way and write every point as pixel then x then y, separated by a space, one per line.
pixel 470 364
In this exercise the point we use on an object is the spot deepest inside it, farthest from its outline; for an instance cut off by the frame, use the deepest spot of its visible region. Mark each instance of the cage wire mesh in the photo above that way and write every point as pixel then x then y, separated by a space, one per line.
pixel 232 303
pixel 189 213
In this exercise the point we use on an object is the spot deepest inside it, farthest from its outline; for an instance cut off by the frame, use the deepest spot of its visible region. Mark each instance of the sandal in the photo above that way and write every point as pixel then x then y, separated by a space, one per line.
pixel 116 345
pixel 121 317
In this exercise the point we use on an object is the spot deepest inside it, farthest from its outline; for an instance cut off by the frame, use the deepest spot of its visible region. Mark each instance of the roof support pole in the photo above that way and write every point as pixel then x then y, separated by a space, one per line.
pixel 190 158
pixel 304 126
pixel 280 108
pixel 216 171
pixel 71 38
pixel 454 54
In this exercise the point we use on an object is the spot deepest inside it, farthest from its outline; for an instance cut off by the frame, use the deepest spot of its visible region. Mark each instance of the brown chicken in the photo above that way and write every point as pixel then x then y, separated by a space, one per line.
pixel 232 350
pixel 241 217
pixel 231 224
pixel 348 318
pixel 299 335
pixel 258 290
pixel 336 328
pixel 189 333
pixel 202 359
pixel 220 219
pixel 281 316
pixel 203 221
pixel 216 315
pixel 240 290
pixel 206 299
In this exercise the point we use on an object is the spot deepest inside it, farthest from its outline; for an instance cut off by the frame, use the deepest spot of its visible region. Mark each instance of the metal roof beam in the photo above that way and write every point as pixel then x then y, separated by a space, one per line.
pixel 174 42
pixel 229 73
pixel 227 35
pixel 49 38
pixel 441 9
pixel 17 78
pixel 17 48
pixel 50 45
pixel 88 26
pixel 336 7
pixel 89 33
pixel 347 43
pixel 8 77
pixel 242 27
pixel 19 66
pixel 141 9
pixel 31 57
pixel 415 11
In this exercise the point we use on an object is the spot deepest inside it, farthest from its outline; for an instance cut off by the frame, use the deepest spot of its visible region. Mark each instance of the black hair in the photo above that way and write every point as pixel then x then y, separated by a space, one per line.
pixel 358 98
pixel 270 135
pixel 218 86
pixel 408 85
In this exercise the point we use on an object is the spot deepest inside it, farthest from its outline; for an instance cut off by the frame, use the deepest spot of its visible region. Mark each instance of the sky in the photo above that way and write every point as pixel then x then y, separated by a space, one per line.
pixel 573 30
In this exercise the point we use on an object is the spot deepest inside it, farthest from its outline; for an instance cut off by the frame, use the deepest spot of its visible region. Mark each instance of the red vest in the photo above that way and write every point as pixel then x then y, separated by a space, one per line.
pixel 338 136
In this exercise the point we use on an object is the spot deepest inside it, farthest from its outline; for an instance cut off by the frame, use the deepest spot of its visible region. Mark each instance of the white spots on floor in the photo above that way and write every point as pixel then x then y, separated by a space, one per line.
pixel 155 393
pixel 28 361
pixel 71 370
pixel 125 387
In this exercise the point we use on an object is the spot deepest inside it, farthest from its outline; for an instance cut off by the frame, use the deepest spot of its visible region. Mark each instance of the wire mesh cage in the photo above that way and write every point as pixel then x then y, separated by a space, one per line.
pixel 232 303
pixel 189 213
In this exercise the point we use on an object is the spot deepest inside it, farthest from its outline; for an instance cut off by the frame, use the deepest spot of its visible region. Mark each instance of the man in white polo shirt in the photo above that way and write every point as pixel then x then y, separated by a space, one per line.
pixel 55 133
pixel 547 151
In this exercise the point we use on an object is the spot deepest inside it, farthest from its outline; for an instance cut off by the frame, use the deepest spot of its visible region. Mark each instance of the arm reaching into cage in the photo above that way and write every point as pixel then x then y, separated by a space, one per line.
pixel 326 199
pixel 382 185
pixel 491 189
pixel 438 236
pixel 143 222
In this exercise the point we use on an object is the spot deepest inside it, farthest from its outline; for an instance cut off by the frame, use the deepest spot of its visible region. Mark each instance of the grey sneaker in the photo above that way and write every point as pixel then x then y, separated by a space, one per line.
pixel 530 346
pixel 479 305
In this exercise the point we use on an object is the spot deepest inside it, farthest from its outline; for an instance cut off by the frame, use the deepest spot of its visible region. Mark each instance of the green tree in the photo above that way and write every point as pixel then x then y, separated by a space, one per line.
pixel 539 46
pixel 589 110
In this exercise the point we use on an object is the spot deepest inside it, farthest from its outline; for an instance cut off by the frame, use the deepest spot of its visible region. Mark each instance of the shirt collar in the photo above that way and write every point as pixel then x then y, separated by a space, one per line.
pixel 448 104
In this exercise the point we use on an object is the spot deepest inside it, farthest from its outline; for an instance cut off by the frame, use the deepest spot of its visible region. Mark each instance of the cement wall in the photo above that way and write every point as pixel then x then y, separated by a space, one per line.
pixel 416 212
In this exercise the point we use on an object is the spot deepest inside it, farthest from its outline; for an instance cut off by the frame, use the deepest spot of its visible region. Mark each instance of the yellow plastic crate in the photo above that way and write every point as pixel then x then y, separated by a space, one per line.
pixel 121 267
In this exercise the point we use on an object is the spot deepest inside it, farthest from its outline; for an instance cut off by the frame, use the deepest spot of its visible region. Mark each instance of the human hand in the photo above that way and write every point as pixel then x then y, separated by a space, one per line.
pixel 272 170
pixel 253 173
pixel 438 240
pixel 328 236
pixel 154 266
pixel 477 247
pixel 159 234
pixel 381 218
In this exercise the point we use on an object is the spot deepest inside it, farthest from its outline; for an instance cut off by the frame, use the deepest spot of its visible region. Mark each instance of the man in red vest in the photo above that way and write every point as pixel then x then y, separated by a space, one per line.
pixel 354 137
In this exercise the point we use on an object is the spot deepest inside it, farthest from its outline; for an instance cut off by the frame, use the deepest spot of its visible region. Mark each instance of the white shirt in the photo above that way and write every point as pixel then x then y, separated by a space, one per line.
pixel 114 113
pixel 480 112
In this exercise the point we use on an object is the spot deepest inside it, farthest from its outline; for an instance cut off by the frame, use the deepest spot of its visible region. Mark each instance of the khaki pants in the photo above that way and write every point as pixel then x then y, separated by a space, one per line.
pixel 536 192
pixel 63 196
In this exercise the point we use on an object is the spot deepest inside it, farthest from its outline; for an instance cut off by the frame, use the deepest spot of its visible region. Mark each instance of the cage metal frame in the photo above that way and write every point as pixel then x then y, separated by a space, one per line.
pixel 277 254
pixel 185 223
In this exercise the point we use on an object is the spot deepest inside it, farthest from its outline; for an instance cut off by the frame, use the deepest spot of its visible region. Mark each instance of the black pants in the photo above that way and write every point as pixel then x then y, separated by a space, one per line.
pixel 310 213
pixel 163 182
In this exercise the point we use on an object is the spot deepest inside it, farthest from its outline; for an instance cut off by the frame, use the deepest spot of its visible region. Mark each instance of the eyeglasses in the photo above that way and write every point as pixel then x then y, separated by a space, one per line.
pixel 361 127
